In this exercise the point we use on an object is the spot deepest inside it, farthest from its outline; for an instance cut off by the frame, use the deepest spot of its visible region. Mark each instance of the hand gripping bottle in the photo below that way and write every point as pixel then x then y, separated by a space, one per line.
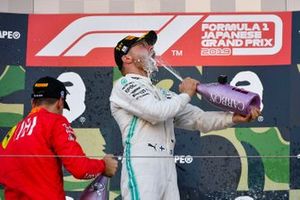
pixel 97 190
pixel 227 97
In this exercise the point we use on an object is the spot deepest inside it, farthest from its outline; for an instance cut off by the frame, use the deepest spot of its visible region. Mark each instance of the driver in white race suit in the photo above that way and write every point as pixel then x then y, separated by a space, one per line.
pixel 147 116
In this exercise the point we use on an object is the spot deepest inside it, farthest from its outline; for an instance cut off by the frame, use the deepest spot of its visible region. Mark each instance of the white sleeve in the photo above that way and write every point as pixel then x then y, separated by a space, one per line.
pixel 193 118
pixel 138 100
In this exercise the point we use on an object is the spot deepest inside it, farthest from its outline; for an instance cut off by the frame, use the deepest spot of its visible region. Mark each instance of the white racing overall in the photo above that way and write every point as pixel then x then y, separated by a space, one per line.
pixel 147 116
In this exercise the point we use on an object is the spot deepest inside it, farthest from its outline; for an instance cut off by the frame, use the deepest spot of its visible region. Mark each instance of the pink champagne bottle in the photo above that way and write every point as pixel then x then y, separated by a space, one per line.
pixel 97 190
pixel 229 98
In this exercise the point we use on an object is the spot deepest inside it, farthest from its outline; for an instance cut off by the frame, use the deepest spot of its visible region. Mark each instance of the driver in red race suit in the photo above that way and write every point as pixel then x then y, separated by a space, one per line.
pixel 33 152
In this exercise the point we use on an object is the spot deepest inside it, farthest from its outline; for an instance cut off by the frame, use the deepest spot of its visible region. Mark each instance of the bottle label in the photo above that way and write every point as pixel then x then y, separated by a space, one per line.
pixel 227 102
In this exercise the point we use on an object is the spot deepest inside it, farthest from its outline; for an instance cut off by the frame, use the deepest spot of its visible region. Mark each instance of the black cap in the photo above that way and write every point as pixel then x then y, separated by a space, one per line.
pixel 48 87
pixel 126 43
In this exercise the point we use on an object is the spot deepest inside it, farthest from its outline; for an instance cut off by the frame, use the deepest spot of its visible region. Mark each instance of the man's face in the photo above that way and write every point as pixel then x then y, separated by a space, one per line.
pixel 144 57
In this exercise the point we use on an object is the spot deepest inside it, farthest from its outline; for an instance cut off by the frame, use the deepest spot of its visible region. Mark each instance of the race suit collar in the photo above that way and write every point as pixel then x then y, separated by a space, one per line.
pixel 36 109
pixel 137 76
